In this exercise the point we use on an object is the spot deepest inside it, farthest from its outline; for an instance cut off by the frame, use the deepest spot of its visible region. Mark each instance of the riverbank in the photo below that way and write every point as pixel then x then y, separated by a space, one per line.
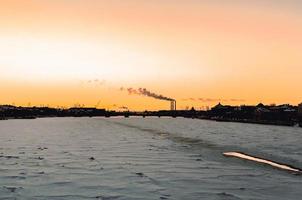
pixel 282 115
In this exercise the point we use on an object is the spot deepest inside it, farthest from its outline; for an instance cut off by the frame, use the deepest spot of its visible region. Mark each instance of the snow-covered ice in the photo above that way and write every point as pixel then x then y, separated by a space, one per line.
pixel 145 158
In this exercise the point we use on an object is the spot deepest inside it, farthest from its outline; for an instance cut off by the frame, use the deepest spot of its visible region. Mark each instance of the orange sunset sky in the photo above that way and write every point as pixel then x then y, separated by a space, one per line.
pixel 199 52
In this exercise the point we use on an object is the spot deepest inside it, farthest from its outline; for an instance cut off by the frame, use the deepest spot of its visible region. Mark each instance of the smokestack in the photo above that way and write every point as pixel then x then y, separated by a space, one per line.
pixel 175 108
pixel 173 105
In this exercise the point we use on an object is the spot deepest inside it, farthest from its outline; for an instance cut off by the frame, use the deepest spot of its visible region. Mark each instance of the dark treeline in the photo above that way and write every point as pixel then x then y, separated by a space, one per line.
pixel 285 114
pixel 263 114
pixel 13 112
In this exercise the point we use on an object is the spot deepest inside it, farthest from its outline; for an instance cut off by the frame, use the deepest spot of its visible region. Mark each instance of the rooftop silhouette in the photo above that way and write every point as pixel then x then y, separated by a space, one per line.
pixel 284 114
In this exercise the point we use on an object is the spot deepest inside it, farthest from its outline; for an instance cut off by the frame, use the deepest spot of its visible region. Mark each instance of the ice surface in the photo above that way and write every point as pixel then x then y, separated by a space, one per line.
pixel 145 158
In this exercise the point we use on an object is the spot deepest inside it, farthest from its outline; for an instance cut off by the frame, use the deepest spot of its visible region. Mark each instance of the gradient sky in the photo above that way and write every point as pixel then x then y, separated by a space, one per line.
pixel 65 52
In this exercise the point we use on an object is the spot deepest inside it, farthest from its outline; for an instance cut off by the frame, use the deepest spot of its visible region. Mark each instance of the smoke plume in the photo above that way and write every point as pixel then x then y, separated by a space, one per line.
pixel 120 107
pixel 145 92
pixel 124 108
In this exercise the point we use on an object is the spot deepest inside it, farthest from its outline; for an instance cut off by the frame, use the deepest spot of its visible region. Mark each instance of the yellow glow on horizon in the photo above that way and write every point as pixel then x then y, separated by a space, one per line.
pixel 182 49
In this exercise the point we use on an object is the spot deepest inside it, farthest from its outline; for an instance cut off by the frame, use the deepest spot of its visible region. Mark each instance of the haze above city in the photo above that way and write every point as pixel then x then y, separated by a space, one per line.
pixel 64 52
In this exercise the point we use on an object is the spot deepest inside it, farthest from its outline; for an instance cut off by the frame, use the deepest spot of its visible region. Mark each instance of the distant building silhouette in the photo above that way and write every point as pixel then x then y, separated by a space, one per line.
pixel 300 109
pixel 284 114
pixel 300 114
pixel 173 105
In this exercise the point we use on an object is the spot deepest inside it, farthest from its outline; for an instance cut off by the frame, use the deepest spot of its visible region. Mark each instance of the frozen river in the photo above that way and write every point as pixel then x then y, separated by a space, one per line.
pixel 145 158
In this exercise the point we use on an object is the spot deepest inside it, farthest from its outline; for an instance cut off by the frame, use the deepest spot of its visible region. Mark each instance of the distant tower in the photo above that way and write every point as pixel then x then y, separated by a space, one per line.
pixel 173 105
pixel 300 109
pixel 300 114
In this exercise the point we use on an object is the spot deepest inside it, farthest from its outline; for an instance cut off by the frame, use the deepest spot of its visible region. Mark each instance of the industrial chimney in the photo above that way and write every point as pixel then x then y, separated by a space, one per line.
pixel 173 105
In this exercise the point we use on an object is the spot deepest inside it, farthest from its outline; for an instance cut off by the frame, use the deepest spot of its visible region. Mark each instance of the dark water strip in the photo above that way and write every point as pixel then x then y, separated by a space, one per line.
pixel 170 136
pixel 213 147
